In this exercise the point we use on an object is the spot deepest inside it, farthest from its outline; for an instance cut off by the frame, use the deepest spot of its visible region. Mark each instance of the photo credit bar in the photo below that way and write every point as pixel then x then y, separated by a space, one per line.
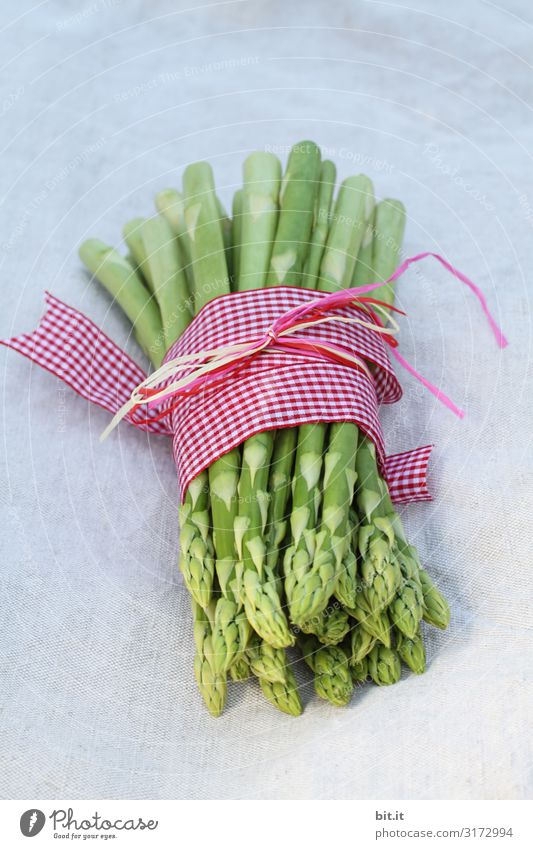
pixel 236 824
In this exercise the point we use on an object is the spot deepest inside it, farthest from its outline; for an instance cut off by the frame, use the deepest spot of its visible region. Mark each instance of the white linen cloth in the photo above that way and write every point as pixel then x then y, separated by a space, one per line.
pixel 102 105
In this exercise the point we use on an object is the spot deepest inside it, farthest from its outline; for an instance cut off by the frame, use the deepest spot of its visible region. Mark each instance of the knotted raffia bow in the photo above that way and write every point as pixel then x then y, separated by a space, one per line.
pixel 210 367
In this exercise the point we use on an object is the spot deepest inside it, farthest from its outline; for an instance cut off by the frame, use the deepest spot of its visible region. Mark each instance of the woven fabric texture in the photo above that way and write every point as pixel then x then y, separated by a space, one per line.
pixel 103 106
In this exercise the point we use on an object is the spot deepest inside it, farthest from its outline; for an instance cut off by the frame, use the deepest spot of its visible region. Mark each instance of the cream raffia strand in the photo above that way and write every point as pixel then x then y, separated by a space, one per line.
pixel 228 355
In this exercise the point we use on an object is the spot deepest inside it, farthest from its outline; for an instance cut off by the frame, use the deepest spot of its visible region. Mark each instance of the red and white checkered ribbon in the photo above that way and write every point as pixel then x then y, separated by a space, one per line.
pixel 268 392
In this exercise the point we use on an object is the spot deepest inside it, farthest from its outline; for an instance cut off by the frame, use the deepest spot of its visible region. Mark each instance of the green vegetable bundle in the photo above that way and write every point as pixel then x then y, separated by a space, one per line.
pixel 291 539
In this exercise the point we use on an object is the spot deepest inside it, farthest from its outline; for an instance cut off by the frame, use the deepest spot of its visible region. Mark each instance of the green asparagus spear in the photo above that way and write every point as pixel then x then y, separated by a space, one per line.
pixel 283 456
pixel 259 218
pixel 407 608
pixel 321 222
pixel 379 566
pixel 376 624
pixel 436 608
pixel 389 225
pixel 361 644
pixel 363 272
pixel 240 669
pixel 330 626
pixel 125 286
pixel 230 633
pixel 257 210
pixel 314 561
pixel 333 679
pixel 384 665
pixel 346 586
pixel 306 589
pixel 267 662
pixel 212 685
pixel 227 236
pixel 412 651
pixel 197 556
pixel 259 592
pixel 281 466
pixel 236 238
pixel 171 205
pixel 133 238
pixel 259 595
pixel 297 199
pixel 283 695
pixel 164 268
pixel 359 671
pixel 210 278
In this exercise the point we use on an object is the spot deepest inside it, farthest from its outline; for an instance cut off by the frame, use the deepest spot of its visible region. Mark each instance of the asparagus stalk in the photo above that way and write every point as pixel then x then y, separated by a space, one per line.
pixel 359 671
pixel 258 215
pixel 236 237
pixel 126 287
pixel 133 238
pixel 240 669
pixel 230 631
pixel 285 444
pixel 412 652
pixel 204 232
pixel 227 236
pixel 384 665
pixel 319 235
pixel 258 218
pixel 171 205
pixel 363 267
pixel 379 565
pixel 259 595
pixel 305 591
pixel 283 695
pixel 346 587
pixel 267 662
pixel 377 624
pixel 407 608
pixel 389 226
pixel 281 467
pixel 330 626
pixel 211 684
pixel 259 592
pixel 361 644
pixel 210 278
pixel 333 678
pixel 164 268
pixel 197 556
pixel 256 207
pixel 436 608
pixel 297 200
pixel 409 604
pixel 314 561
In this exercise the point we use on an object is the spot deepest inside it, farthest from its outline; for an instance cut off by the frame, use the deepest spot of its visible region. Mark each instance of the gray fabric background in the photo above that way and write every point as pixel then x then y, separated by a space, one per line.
pixel 102 104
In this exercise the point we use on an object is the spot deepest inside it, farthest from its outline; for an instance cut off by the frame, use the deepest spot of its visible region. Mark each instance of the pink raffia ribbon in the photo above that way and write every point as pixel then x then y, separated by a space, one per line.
pixel 206 367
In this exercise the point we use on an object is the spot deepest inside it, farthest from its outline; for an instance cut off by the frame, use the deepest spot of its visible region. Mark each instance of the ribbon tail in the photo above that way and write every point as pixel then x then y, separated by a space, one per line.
pixel 70 346
pixel 497 331
pixel 406 475
pixel 432 388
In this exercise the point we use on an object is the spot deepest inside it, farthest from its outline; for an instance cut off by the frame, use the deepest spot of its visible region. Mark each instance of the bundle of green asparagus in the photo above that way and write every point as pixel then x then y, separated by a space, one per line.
pixel 291 539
